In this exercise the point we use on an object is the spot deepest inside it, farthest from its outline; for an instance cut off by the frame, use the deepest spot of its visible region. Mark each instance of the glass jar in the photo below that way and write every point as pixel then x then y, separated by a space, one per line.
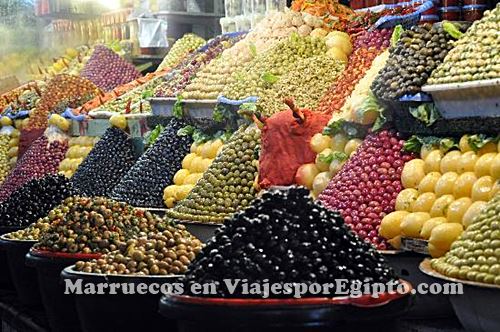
pixel 450 13
pixel 450 3
pixel 258 11
pixel 473 12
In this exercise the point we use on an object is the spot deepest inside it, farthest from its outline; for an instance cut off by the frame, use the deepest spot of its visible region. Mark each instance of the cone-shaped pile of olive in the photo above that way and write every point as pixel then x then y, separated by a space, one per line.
pixel 285 237
pixel 109 160
pixel 475 256
pixel 418 52
pixel 228 184
pixel 107 70
pixel 162 253
pixel 95 225
pixel 34 200
pixel 143 184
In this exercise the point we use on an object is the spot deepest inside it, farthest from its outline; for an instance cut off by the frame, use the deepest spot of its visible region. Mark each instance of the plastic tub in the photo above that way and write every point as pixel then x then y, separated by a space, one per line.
pixel 23 278
pixel 5 280
pixel 450 13
pixel 242 315
pixel 162 106
pixel 469 99
pixel 477 307
pixel 473 13
pixel 429 306
pixel 136 312
pixel 59 308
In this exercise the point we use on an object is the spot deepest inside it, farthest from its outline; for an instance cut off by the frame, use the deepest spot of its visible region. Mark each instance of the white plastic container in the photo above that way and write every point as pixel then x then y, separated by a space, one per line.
pixel 469 99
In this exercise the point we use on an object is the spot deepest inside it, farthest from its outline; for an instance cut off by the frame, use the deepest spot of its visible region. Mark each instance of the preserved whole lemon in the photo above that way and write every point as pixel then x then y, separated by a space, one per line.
pixel 428 183
pixel 445 184
pixel 425 233
pixel 482 188
pixel 463 185
pixel 471 213
pixel 449 163
pixel 457 209
pixel 411 224
pixel 413 173
pixel 390 226
pixel 484 163
pixel 467 162
pixel 433 161
pixel 443 235
pixel 405 199
pixel 440 206
pixel 424 202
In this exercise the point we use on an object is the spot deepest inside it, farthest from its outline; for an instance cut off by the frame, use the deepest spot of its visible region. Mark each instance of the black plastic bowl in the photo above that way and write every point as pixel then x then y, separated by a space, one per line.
pixel 59 307
pixel 5 280
pixel 307 314
pixel 136 312
pixel 426 306
pixel 23 278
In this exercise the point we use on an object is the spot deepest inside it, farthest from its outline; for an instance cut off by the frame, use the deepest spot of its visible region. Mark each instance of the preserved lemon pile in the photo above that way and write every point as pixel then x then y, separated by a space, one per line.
pixel 475 256
pixel 193 166
pixel 332 153
pixel 79 148
pixel 444 192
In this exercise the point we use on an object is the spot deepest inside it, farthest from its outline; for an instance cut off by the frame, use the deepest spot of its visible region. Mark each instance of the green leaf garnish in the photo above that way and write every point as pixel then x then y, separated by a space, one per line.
pixel 253 49
pixel 269 78
pixel 178 110
pixel 427 113
pixel 452 30
pixel 396 34
pixel 478 141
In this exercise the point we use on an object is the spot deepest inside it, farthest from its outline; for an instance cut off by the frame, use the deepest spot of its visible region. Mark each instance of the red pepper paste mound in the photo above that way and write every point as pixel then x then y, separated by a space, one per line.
pixel 285 144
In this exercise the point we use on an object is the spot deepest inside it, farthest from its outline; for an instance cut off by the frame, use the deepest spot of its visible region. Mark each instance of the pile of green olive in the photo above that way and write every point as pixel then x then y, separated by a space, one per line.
pixel 93 225
pixel 259 74
pixel 161 253
pixel 475 256
pixel 306 84
pixel 228 184
pixel 475 56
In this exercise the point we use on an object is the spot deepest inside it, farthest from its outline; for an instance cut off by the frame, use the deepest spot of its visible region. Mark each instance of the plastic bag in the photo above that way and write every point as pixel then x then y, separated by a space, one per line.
pixel 152 33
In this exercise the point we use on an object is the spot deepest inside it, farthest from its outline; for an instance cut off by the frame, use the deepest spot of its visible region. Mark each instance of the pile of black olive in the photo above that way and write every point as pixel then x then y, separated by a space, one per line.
pixel 143 185
pixel 418 52
pixel 34 200
pixel 110 159
pixel 285 237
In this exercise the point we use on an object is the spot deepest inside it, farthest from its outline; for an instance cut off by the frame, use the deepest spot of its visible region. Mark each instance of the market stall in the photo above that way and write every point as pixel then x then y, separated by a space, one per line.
pixel 240 177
